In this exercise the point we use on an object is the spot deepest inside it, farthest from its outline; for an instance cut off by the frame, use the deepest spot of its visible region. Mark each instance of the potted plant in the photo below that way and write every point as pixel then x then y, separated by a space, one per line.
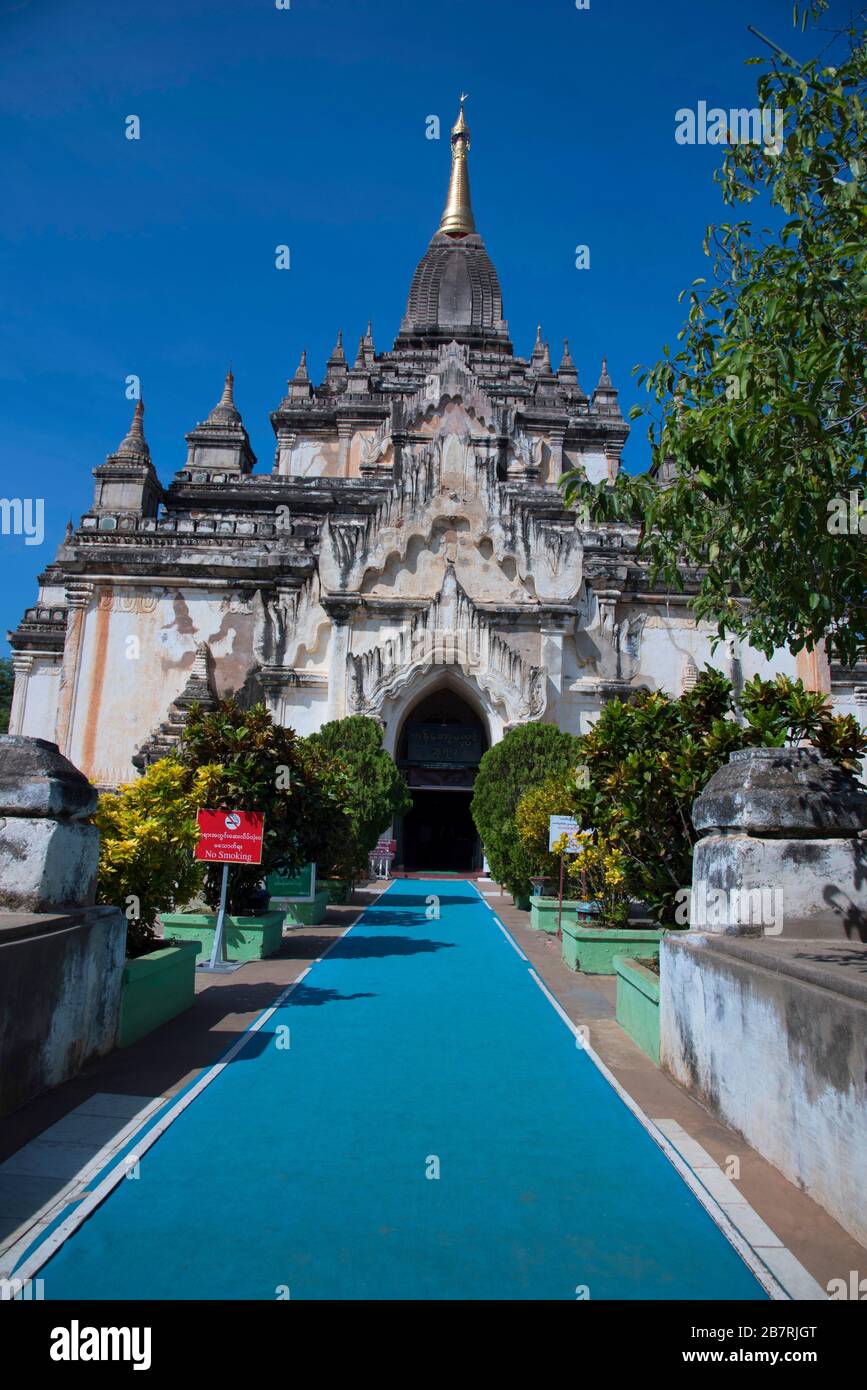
pixel 598 930
pixel 146 866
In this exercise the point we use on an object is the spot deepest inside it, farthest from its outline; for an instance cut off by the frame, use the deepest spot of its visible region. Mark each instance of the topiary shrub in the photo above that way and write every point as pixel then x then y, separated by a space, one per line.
pixel 526 757
pixel 376 791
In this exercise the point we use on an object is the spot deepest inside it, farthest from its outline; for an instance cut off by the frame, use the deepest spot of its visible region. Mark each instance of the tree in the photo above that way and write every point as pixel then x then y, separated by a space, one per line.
pixel 648 759
pixel 526 757
pixel 249 763
pixel 763 409
pixel 377 792
pixel 7 685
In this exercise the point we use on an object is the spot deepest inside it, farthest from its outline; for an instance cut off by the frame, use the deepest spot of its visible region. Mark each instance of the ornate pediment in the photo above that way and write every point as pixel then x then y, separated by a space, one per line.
pixel 451 377
pixel 451 632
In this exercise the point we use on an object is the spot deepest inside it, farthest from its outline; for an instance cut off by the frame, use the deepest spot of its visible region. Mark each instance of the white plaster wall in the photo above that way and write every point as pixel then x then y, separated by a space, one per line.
pixel 593 462
pixel 667 642
pixel 42 684
pixel 306 711
pixel 668 639
pixel 121 697
pixel 780 1061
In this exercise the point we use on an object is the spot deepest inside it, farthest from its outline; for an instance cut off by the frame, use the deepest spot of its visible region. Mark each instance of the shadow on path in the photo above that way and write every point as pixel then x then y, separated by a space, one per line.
pixel 417 900
pixel 374 947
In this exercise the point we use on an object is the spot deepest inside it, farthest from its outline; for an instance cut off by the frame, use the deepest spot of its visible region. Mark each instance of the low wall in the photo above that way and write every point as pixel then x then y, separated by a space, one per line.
pixel 60 979
pixel 771 1036
pixel 637 1007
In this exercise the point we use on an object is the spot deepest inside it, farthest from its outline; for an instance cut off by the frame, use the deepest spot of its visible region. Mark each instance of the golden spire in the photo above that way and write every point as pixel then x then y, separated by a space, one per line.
pixel 457 219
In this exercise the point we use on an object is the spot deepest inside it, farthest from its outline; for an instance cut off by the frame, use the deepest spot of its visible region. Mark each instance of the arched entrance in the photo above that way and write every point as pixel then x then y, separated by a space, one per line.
pixel 438 751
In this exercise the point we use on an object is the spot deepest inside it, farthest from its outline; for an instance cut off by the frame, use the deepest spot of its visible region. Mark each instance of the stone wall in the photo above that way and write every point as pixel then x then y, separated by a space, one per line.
pixel 61 958
pixel 60 980
pixel 771 1036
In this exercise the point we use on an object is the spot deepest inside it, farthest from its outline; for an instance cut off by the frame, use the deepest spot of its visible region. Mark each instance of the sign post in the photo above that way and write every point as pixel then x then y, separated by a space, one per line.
pixel 219 948
pixel 227 837
pixel 380 858
pixel 558 826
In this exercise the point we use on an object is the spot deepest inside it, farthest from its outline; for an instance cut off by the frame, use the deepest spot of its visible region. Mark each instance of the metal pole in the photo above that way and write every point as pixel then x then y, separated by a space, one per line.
pixel 219 949
pixel 560 906
pixel 775 46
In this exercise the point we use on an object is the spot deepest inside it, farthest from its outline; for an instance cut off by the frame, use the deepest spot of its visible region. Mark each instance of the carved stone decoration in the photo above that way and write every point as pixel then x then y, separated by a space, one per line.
pixel 688 674
pixel 451 632
pixel 527 456
pixel 428 468
pixel 199 690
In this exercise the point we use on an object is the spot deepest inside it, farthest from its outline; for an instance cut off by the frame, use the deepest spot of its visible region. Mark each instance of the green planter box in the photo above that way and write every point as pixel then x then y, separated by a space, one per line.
pixel 592 949
pixel 303 914
pixel 338 890
pixel 247 938
pixel 155 988
pixel 521 903
pixel 544 912
pixel 638 1004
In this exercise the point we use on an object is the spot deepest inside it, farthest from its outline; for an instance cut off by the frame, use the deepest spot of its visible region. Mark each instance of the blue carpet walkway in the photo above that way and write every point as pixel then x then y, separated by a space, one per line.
pixel 414 1044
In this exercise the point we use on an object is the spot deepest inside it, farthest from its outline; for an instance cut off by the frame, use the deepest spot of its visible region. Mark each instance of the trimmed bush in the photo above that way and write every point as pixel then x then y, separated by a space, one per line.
pixel 375 795
pixel 526 757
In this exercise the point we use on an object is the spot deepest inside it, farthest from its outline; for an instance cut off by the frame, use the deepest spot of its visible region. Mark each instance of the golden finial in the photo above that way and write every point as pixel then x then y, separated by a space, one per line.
pixel 457 218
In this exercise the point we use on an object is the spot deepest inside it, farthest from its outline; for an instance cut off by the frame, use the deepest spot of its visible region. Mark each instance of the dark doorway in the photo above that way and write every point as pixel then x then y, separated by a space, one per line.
pixel 438 752
pixel 439 832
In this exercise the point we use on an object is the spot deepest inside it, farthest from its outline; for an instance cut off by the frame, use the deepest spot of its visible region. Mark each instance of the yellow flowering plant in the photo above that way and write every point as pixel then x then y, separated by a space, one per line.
pixel 599 873
pixel 147 835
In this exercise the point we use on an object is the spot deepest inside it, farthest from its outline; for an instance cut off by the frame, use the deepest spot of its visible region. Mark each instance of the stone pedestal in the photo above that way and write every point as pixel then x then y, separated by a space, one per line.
pixel 48 851
pixel 61 958
pixel 782 849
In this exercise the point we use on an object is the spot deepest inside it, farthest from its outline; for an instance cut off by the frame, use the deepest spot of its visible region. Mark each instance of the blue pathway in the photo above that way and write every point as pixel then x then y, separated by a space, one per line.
pixel 412 1040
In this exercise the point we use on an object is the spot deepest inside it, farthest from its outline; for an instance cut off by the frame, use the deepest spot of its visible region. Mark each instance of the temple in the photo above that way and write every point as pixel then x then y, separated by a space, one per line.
pixel 408 557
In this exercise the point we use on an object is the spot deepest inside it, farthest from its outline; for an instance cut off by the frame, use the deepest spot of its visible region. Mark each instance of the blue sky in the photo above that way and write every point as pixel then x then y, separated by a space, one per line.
pixel 306 127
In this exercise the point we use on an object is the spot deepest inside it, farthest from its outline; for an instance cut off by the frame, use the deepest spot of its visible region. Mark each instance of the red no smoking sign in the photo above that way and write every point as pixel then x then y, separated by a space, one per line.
pixel 230 837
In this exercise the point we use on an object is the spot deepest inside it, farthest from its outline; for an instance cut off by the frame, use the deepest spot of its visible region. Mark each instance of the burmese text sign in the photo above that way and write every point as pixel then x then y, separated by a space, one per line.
pixel 230 837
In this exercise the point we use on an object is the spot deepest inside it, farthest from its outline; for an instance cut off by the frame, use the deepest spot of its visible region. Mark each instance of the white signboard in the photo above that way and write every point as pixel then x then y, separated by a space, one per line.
pixel 564 825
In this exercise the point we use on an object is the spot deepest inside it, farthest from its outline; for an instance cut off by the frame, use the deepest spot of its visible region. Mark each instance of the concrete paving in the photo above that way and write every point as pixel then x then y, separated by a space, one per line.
pixel 161 1064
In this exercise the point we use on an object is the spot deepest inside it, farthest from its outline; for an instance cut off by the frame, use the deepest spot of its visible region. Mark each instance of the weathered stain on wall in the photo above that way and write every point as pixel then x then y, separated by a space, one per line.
pixel 60 981
pixel 776 1056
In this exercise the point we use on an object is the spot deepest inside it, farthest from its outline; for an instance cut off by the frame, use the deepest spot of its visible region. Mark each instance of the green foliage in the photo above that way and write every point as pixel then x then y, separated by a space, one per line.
pixel 598 874
pixel 254 764
pixel 763 409
pixel 553 797
pixel 525 757
pixel 7 684
pixel 376 790
pixel 650 758
pixel 782 712
pixel 147 836
pixel 230 759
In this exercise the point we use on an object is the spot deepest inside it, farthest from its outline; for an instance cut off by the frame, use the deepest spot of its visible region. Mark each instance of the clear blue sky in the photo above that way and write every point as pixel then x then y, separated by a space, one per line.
pixel 306 126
